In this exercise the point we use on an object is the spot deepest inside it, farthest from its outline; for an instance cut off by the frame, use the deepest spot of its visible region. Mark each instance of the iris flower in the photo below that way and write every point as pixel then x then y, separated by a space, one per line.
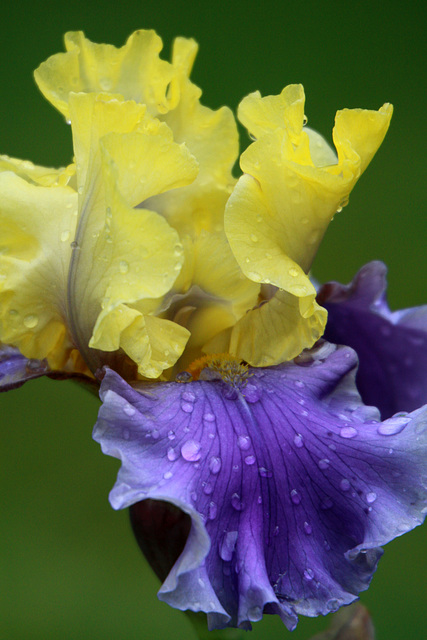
pixel 259 479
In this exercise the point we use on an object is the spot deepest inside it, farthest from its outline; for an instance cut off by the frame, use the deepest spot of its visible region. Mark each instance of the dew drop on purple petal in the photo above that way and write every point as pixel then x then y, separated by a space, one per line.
pixel 298 441
pixel 236 502
pixel 190 450
pixel 323 464
pixel 168 475
pixel 187 407
pixel 172 454
pixel 188 396
pixel 171 435
pixel 295 496
pixel 252 393
pixel 326 504
pixel 249 460
pixel 371 497
pixel 207 488
pixel 129 410
pixel 299 384
pixel 209 417
pixel 333 604
pixel 265 473
pixel 393 425
pixel 243 442
pixel 348 432
pixel 345 484
pixel 307 528
pixel 309 574
pixel 215 464
pixel 213 510
pixel 228 545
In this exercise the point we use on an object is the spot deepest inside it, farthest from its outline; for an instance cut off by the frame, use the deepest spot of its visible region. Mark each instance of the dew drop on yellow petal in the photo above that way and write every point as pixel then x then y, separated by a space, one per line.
pixel 31 321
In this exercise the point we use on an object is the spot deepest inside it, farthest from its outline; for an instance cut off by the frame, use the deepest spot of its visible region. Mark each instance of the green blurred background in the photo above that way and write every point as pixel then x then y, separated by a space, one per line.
pixel 69 566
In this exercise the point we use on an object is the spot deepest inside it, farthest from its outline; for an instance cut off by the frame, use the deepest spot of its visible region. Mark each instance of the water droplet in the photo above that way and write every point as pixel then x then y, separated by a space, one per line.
pixel 326 504
pixel 345 484
pixel 129 410
pixel 243 442
pixel 236 502
pixel 299 384
pixel 371 497
pixel 123 267
pixel 307 528
pixel 207 488
pixel 252 393
pixel 209 417
pixel 155 434
pixel 213 510
pixel 65 236
pixel 190 450
pixel 171 435
pixel 254 238
pixel 168 475
pixel 255 613
pixel 295 496
pixel 215 464
pixel 393 425
pixel 31 321
pixel 348 432
pixel 309 574
pixel 249 460
pixel 293 272
pixel 298 441
pixel 74 245
pixel 324 463
pixel 254 275
pixel 333 604
pixel 13 312
pixel 235 467
pixel 172 454
pixel 265 473
pixel 187 407
pixel 105 84
pixel 228 545
pixel 188 396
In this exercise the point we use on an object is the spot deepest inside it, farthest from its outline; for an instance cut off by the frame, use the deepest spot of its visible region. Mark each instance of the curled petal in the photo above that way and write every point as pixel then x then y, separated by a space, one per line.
pixel 392 346
pixel 15 369
pixel 37 226
pixel 280 208
pixel 291 483
pixel 135 71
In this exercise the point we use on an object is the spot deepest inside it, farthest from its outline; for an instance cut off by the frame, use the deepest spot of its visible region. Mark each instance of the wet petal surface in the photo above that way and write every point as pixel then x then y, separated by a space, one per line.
pixel 392 346
pixel 291 483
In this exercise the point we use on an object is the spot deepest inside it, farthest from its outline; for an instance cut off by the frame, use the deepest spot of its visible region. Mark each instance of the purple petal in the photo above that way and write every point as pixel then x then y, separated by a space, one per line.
pixel 392 347
pixel 291 483
pixel 15 369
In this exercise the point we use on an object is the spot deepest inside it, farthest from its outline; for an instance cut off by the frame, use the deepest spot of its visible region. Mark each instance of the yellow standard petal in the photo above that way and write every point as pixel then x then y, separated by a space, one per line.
pixel 282 205
pixel 37 225
pixel 134 71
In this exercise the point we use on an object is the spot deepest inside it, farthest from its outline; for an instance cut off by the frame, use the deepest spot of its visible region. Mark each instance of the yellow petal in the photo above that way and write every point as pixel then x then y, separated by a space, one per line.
pixel 153 343
pixel 149 162
pixel 36 174
pixel 277 330
pixel 134 70
pixel 212 138
pixel 38 224
pixel 280 208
